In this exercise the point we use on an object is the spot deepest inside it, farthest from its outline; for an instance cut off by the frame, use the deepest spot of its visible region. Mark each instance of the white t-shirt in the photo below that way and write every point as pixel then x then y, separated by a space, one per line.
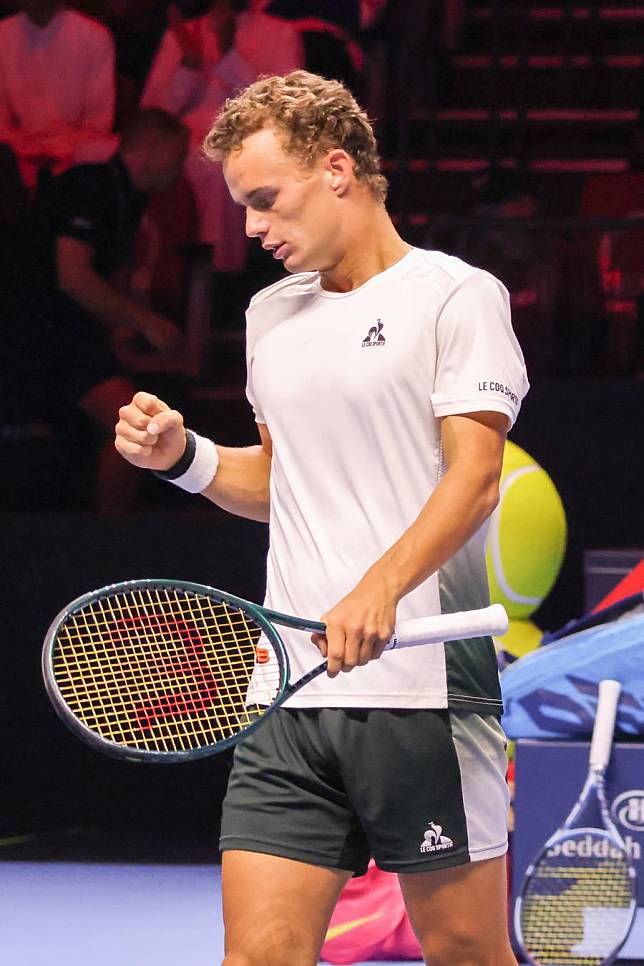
pixel 350 386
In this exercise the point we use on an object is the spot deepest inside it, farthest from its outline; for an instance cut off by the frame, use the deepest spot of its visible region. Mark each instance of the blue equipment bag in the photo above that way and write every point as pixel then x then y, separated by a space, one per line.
pixel 552 692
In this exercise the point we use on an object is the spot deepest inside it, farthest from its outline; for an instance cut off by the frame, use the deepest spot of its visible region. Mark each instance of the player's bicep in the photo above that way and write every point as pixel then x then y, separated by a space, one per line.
pixel 265 436
pixel 475 441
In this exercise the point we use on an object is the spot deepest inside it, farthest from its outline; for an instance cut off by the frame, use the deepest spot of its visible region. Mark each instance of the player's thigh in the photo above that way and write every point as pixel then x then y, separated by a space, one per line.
pixel 460 913
pixel 276 910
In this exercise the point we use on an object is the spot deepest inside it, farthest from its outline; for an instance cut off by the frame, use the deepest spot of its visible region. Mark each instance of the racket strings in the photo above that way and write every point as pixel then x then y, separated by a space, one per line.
pixel 577 911
pixel 162 669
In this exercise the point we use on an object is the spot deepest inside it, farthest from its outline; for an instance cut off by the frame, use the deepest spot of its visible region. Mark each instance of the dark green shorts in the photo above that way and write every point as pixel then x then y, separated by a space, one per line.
pixel 417 789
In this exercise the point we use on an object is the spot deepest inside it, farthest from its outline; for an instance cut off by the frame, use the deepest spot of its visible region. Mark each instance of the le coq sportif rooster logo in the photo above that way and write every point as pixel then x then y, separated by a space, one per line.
pixel 434 840
pixel 374 336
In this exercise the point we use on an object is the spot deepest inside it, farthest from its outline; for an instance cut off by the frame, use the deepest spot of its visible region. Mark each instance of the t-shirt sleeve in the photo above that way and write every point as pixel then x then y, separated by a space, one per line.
pixel 250 395
pixel 250 391
pixel 75 208
pixel 479 363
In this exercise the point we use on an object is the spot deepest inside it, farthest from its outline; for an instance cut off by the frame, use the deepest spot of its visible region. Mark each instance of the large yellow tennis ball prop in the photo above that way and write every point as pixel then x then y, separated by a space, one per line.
pixel 527 536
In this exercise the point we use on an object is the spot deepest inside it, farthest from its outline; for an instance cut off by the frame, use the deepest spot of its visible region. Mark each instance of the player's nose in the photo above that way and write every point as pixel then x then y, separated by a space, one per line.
pixel 255 224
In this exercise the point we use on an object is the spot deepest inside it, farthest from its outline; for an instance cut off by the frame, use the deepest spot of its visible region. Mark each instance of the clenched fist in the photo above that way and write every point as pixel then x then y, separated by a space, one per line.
pixel 149 434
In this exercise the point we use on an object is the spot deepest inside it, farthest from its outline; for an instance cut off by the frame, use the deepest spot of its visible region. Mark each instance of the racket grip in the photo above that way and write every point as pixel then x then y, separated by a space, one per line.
pixel 450 627
pixel 607 701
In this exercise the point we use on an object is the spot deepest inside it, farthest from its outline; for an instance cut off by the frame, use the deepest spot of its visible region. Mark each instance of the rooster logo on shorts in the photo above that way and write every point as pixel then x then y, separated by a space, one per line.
pixel 434 840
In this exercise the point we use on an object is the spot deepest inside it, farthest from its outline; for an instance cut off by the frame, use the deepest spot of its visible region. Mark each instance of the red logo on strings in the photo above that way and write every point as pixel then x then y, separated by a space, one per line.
pixel 188 661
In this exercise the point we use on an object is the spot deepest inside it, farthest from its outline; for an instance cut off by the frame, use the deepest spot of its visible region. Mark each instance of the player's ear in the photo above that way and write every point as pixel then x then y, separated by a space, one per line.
pixel 339 170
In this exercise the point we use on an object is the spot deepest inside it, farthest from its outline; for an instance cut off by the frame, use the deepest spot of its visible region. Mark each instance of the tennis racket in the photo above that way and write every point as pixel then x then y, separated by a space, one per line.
pixel 161 670
pixel 577 901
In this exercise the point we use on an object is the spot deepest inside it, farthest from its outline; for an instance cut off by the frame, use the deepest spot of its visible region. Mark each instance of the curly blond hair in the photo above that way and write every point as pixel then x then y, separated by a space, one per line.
pixel 313 114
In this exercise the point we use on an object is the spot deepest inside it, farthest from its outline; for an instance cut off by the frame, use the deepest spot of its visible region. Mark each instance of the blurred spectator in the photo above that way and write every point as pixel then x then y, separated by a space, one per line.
pixel 90 217
pixel 511 251
pixel 333 33
pixel 370 12
pixel 618 255
pixel 137 26
pixel 329 31
pixel 56 88
pixel 200 63
pixel 13 194
pixel 508 253
pixel 560 326
pixel 618 195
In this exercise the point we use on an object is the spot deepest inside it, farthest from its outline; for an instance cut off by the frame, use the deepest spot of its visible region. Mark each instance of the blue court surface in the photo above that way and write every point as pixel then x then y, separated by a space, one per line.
pixel 101 914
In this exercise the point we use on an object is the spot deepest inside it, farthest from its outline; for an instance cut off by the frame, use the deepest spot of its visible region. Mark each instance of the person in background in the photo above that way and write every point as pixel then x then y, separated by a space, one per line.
pixel 498 206
pixel 200 63
pixel 7 7
pixel 617 255
pixel 89 217
pixel 137 27
pixel 330 32
pixel 618 194
pixel 56 88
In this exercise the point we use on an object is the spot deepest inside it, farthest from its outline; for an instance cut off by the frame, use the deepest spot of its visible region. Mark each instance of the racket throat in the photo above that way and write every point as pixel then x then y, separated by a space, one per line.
pixel 311 676
pixel 297 623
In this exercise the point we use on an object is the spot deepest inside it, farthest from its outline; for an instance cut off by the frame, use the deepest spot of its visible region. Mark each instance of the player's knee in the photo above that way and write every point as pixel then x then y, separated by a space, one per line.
pixel 275 942
pixel 465 947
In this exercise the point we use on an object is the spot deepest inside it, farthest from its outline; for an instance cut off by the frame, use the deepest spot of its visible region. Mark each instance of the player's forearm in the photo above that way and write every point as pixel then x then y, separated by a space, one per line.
pixel 241 484
pixel 459 505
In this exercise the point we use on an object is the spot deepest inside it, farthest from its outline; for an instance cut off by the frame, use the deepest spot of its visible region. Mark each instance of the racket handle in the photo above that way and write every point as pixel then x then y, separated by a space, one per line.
pixel 607 701
pixel 450 627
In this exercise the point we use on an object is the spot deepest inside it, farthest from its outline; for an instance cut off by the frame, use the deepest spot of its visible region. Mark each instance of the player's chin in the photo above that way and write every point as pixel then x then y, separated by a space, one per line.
pixel 292 263
pixel 300 262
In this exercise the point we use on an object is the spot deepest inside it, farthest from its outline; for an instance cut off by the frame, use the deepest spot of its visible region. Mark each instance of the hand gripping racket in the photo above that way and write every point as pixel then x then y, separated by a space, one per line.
pixel 577 901
pixel 161 670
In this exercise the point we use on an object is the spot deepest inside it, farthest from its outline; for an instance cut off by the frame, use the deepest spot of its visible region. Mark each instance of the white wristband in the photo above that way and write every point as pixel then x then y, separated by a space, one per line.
pixel 202 466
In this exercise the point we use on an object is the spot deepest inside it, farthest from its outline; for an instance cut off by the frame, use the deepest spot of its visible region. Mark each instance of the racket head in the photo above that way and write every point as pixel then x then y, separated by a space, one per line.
pixel 578 900
pixel 159 670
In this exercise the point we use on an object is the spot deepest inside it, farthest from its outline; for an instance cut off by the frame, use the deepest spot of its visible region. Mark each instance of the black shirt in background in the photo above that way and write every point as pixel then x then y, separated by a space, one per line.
pixel 98 205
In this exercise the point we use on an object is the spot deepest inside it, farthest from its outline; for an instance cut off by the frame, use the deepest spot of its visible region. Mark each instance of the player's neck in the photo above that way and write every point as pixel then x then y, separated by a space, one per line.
pixel 372 246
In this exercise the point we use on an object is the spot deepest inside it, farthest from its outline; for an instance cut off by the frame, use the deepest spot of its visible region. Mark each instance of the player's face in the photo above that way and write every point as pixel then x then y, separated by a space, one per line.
pixel 290 207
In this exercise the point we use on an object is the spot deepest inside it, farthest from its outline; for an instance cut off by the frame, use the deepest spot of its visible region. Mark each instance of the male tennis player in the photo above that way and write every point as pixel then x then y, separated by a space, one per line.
pixel 383 379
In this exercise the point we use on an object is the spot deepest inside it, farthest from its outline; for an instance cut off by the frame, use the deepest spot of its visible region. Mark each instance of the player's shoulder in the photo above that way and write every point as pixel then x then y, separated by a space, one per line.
pixel 449 276
pixel 444 272
pixel 276 304
pixel 285 289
